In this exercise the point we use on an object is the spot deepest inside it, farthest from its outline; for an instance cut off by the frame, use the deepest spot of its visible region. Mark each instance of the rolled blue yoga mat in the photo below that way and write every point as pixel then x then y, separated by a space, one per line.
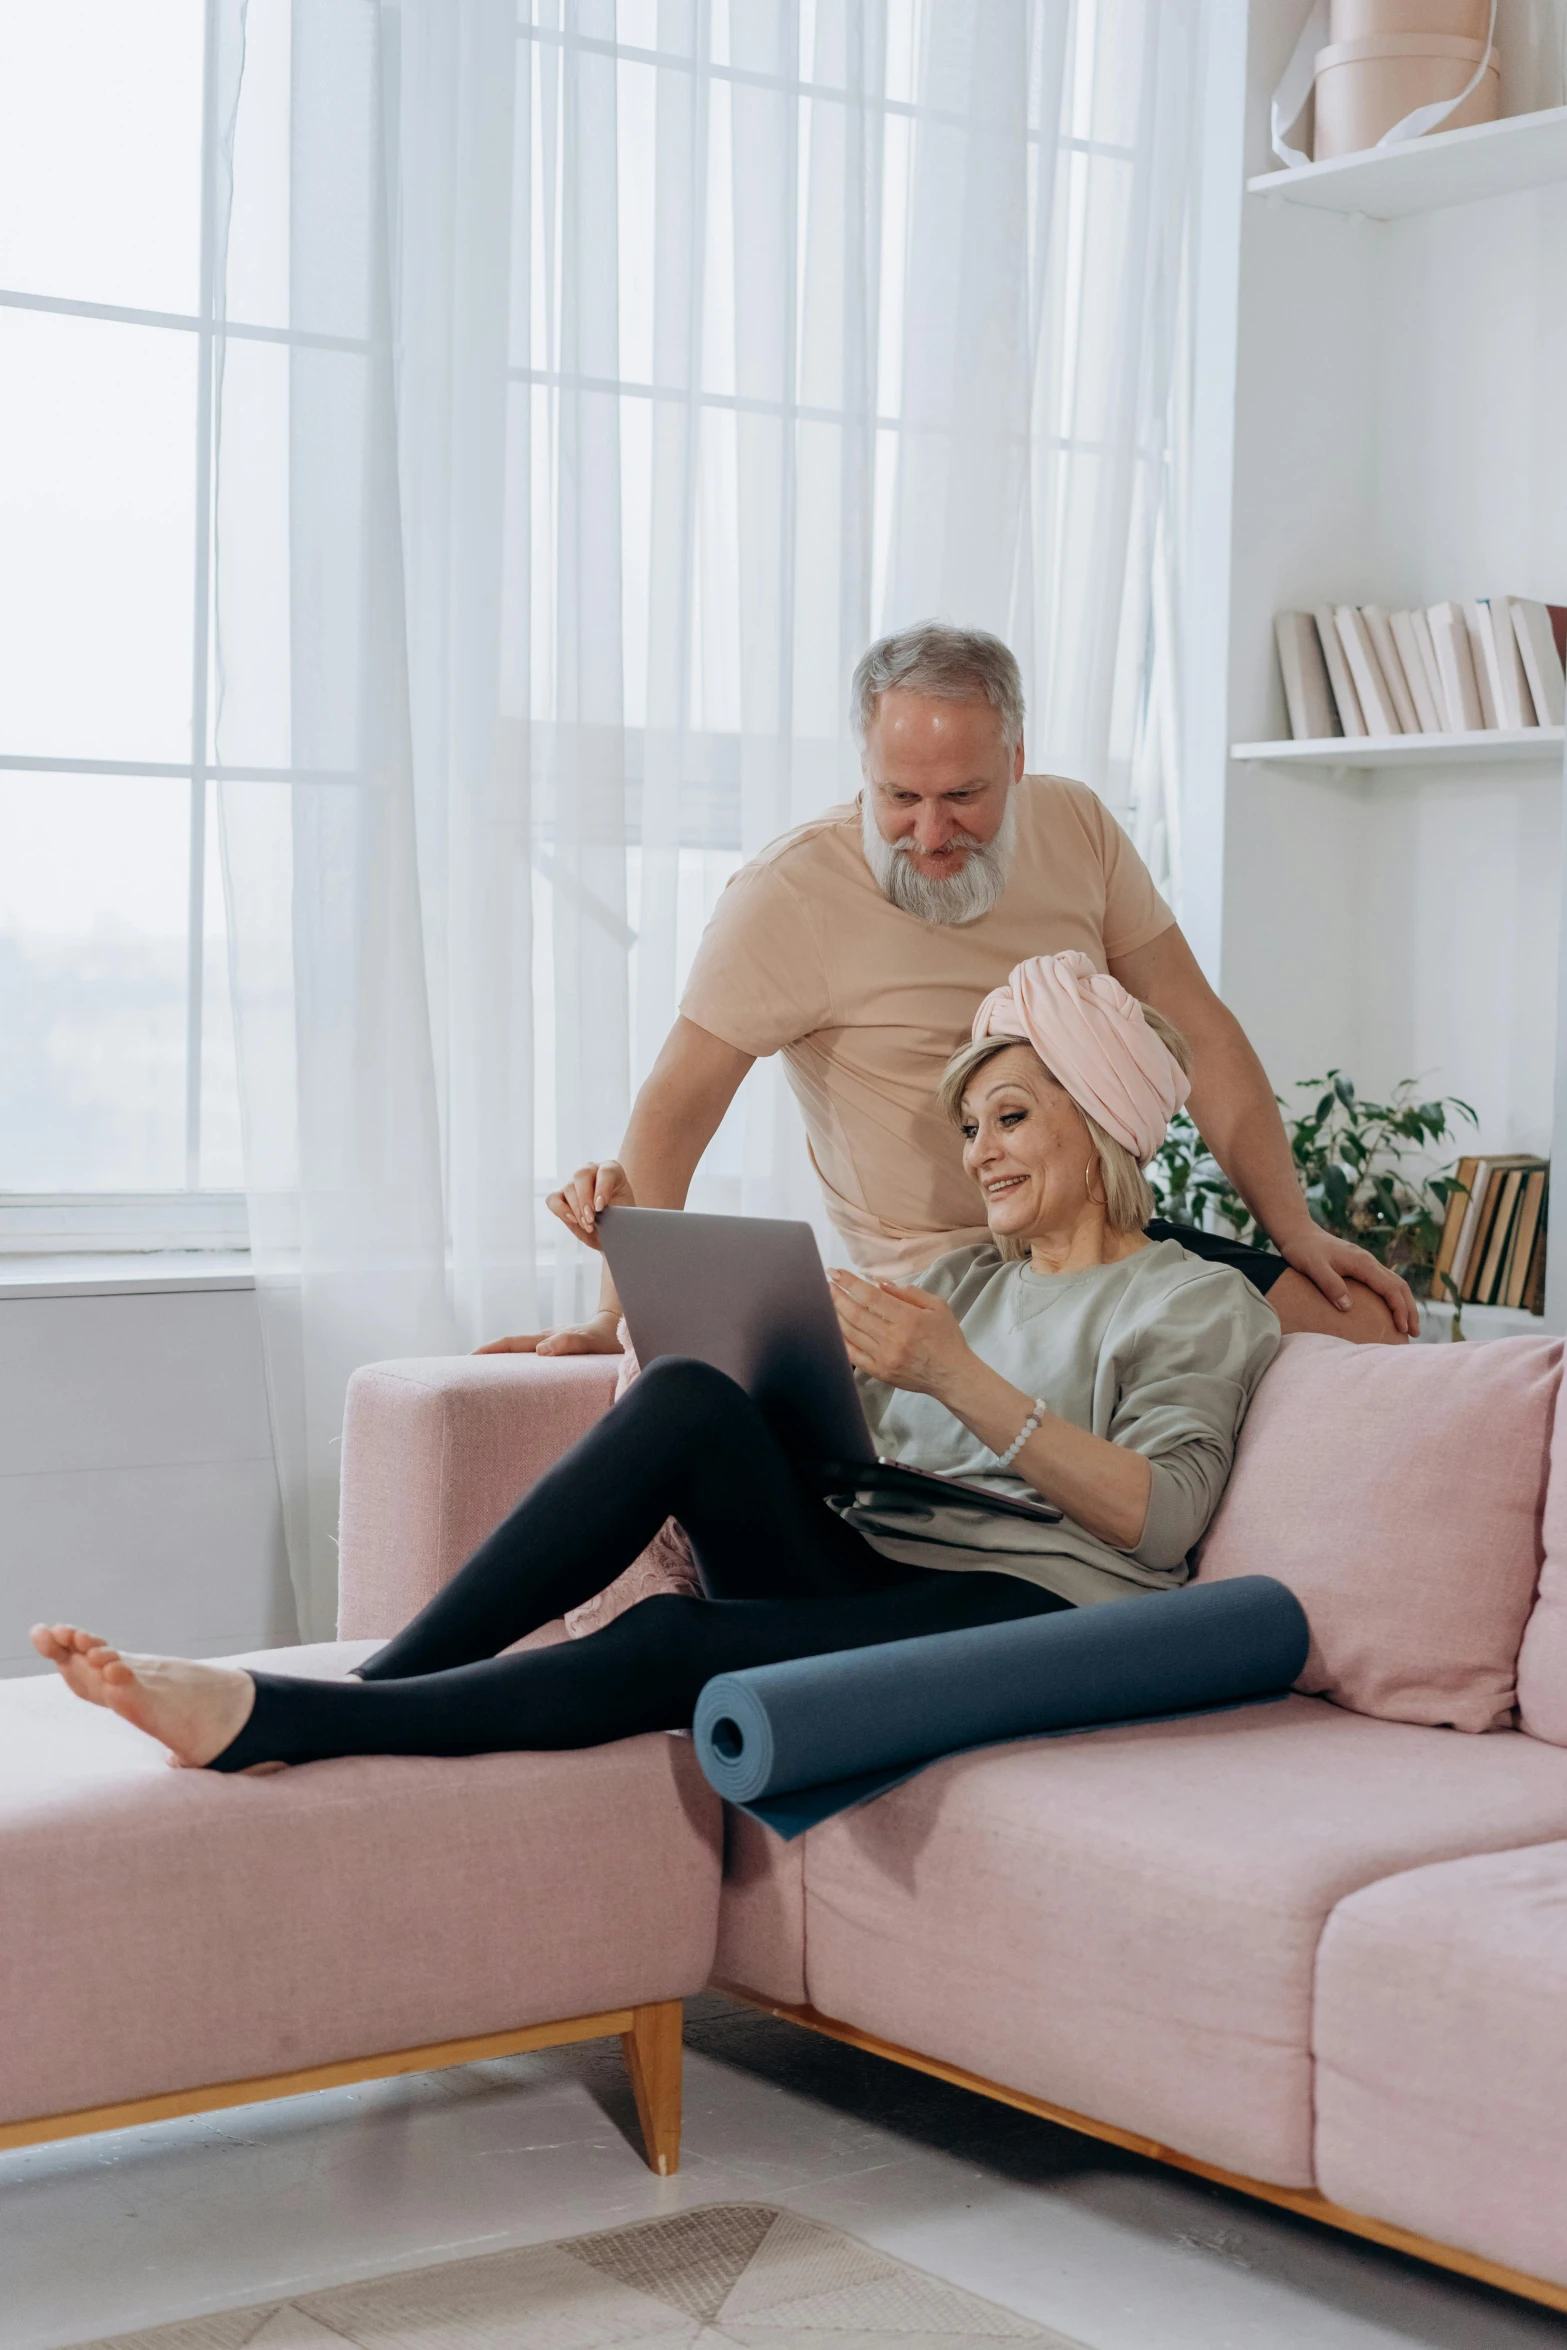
pixel 794 1743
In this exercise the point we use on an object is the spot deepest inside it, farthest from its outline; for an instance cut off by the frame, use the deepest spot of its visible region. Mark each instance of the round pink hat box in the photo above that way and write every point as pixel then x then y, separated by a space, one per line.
pixel 1364 87
pixel 1365 20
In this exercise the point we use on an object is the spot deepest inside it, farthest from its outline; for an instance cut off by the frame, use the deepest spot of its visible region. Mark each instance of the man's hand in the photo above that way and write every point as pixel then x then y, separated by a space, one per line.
pixel 578 1202
pixel 577 1205
pixel 598 1336
pixel 675 1117
pixel 1330 1263
pixel 900 1335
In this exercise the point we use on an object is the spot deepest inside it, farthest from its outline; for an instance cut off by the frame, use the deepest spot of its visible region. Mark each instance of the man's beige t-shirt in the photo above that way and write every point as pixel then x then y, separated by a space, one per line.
pixel 805 956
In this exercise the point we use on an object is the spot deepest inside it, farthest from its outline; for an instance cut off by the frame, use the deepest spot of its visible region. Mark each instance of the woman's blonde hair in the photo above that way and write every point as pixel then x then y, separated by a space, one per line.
pixel 1129 1197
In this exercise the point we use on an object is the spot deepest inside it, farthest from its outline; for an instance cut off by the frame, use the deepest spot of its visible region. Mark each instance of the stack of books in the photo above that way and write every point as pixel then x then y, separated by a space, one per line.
pixel 1493 1239
pixel 1354 669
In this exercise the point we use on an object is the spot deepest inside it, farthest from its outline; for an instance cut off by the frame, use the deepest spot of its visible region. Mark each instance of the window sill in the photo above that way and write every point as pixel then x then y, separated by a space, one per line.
pixel 150 1273
pixel 121 1223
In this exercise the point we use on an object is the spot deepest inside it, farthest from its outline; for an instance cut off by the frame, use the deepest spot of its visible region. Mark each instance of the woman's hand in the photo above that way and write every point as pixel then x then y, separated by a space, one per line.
pixel 914 1341
pixel 899 1335
pixel 578 1202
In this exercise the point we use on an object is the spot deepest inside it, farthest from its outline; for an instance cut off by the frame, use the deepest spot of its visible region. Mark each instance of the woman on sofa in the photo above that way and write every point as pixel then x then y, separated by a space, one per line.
pixel 1069 1357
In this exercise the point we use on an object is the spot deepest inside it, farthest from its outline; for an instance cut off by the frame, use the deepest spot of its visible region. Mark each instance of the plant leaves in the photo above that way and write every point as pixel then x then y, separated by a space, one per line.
pixel 1360 1165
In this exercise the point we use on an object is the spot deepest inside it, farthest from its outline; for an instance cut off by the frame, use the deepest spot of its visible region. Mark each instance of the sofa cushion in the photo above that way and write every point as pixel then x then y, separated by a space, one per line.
pixel 1126 1922
pixel 436 1451
pixel 165 1929
pixel 1399 1493
pixel 1441 2061
pixel 1542 1660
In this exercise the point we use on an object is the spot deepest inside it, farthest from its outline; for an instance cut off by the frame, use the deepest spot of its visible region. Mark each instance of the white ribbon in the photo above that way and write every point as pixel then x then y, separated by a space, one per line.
pixel 1289 99
pixel 1293 92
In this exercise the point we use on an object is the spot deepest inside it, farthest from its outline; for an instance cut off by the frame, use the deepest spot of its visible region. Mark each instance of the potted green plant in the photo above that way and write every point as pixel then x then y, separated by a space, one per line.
pixel 1362 1165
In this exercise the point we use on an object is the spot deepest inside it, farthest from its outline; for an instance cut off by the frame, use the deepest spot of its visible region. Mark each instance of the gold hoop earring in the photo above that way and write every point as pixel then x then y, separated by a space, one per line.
pixel 1092 1160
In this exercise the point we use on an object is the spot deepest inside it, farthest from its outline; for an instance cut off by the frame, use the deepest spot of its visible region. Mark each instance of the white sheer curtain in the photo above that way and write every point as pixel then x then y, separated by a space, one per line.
pixel 598 376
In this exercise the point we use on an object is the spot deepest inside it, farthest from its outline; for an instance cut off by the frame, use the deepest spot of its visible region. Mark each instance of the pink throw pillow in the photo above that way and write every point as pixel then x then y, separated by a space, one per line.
pixel 1398 1491
pixel 665 1565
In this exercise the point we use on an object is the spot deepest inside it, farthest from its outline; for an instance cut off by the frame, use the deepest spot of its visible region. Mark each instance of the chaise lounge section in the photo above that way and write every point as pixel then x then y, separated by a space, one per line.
pixel 173 1942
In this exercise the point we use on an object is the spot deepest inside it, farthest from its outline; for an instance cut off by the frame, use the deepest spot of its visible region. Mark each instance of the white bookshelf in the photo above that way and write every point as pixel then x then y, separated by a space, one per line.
pixel 1529 746
pixel 1377 418
pixel 1449 167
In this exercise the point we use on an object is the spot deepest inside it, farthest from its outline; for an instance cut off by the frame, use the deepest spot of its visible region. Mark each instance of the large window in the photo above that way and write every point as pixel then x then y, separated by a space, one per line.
pixel 118 1107
pixel 724 337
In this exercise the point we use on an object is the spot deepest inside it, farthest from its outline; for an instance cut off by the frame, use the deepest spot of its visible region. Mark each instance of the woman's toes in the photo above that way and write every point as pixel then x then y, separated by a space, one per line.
pixel 86 1663
pixel 193 1709
pixel 74 1644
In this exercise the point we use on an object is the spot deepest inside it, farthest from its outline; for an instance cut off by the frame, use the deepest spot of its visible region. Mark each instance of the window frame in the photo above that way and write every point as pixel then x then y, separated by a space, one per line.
pixel 191 1217
pixel 102 1221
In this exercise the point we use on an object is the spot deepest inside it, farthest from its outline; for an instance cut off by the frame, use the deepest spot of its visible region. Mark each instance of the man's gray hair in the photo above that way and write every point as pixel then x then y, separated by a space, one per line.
pixel 953 664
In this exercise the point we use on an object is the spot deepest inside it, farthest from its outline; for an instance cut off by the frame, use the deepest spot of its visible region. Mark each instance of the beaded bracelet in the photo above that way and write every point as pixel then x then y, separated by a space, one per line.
pixel 1005 1459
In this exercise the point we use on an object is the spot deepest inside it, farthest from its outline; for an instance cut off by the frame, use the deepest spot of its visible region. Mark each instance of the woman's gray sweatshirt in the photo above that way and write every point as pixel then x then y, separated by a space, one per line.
pixel 1160 1352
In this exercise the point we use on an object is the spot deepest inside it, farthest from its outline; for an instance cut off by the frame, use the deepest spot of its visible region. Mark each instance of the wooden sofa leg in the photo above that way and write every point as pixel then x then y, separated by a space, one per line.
pixel 653 2053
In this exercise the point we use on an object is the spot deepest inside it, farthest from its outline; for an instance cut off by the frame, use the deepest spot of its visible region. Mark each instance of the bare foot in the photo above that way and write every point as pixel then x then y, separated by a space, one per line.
pixel 195 1710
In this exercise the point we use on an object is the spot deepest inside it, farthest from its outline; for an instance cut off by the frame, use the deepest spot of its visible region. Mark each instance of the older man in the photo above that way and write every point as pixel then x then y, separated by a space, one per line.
pixel 858 946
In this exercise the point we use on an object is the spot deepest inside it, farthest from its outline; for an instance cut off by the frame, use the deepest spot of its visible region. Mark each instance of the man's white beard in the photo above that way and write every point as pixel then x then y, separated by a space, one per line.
pixel 959 897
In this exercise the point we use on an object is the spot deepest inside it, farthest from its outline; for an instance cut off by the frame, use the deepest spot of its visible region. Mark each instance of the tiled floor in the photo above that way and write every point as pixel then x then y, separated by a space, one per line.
pixel 187 2217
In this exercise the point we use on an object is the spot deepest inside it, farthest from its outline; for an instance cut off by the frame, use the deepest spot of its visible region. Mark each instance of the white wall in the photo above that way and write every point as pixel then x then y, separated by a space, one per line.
pixel 137 1492
pixel 1398 439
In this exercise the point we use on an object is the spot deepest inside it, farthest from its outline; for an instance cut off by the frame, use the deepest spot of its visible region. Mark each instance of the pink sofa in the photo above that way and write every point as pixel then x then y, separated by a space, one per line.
pixel 1316 1950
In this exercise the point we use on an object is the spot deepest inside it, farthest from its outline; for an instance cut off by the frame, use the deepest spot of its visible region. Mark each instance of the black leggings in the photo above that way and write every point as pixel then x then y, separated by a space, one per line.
pixel 783 1578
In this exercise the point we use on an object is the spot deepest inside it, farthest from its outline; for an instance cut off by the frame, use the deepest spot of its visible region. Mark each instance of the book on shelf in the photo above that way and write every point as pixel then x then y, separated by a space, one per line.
pixel 1412 637
pixel 1308 694
pixel 1455 666
pixel 1529 1230
pixel 1504 668
pixel 1376 699
pixel 1514 700
pixel 1495 663
pixel 1379 628
pixel 1420 621
pixel 1541 632
pixel 1460 1211
pixel 1477 622
pixel 1506 1183
pixel 1534 1282
pixel 1345 699
pixel 1493 1234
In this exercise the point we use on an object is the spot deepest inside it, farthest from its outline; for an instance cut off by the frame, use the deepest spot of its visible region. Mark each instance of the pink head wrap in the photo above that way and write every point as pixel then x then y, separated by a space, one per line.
pixel 1092 1037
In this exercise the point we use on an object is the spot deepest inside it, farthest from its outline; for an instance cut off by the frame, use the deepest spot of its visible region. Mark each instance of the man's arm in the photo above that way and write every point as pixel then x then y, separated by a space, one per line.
pixel 1238 1118
pixel 673 1119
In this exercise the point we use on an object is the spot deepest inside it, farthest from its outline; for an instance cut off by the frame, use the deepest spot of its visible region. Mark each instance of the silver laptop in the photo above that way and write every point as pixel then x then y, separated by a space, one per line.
pixel 749 1295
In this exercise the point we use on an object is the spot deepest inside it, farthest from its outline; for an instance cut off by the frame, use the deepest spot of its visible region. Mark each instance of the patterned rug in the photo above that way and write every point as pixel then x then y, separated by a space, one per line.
pixel 733 2273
